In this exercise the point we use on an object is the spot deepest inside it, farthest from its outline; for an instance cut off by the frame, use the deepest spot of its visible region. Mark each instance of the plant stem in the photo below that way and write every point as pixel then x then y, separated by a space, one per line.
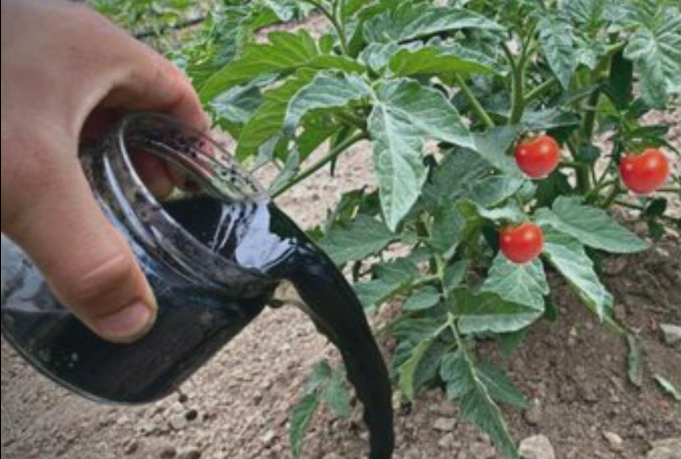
pixel 331 16
pixel 475 103
pixel 330 156
pixel 517 85
pixel 633 206
pixel 616 191
pixel 539 90
pixel 570 164
pixel 167 28
pixel 353 119
pixel 601 186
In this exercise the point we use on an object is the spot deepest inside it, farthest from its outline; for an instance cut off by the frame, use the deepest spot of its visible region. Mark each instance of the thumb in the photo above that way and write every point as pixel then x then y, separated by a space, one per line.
pixel 85 260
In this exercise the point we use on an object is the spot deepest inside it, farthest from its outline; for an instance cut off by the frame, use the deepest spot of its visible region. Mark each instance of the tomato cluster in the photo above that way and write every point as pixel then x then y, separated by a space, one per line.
pixel 538 156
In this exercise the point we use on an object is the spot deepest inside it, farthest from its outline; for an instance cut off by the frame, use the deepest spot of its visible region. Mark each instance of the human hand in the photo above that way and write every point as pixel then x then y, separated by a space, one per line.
pixel 66 72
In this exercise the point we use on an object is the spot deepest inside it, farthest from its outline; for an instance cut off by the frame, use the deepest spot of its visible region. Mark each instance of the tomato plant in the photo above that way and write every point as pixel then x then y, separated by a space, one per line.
pixel 474 78
pixel 537 157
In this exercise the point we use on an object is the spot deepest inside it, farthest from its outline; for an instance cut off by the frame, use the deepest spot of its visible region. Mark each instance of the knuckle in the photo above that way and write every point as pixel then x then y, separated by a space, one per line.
pixel 101 281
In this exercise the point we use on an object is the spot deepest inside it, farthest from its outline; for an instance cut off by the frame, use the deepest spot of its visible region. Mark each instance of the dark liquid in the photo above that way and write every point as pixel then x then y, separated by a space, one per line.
pixel 193 325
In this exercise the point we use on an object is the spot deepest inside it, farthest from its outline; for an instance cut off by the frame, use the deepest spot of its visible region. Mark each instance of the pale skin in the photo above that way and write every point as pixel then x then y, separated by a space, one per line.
pixel 68 73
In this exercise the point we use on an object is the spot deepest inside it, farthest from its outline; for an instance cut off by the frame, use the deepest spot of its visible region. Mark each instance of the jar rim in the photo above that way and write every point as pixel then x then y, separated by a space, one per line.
pixel 146 216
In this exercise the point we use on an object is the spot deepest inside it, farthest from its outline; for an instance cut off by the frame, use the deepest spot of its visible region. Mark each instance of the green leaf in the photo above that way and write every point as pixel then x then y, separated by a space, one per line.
pixel 327 90
pixel 430 60
pixel 319 375
pixel 450 181
pixel 414 330
pixel 588 14
pixel 493 190
pixel 336 396
pixel 621 81
pixel 467 382
pixel 488 312
pixel 667 387
pixel 454 276
pixel 316 130
pixel 285 52
pixel 510 211
pixel 556 40
pixel 655 49
pixel 550 118
pixel 424 298
pixel 518 283
pixel 390 279
pixel 268 120
pixel 406 113
pixel 364 237
pixel 410 21
pixel 590 225
pixel 301 418
pixel 549 189
pixel 448 224
pixel 501 388
pixel 567 255
pixel 494 144
pixel 454 372
pixel 485 54
pixel 376 56
pixel 238 104
pixel 287 173
pixel 408 369
pixel 635 361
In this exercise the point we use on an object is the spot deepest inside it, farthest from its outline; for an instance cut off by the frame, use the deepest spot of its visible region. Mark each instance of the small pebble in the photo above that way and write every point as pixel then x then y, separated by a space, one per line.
pixel 615 442
pixel 444 424
pixel 671 333
pixel 537 447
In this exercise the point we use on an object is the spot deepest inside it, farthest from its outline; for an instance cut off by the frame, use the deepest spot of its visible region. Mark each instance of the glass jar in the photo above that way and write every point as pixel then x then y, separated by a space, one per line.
pixel 204 298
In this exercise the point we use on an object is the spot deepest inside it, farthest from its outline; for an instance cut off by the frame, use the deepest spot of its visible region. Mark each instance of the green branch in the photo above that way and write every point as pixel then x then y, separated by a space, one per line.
pixel 333 18
pixel 330 156
pixel 475 103
pixel 540 90
pixel 517 85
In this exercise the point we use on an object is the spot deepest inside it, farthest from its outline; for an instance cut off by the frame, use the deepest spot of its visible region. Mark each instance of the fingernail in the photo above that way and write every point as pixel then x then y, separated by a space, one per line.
pixel 127 324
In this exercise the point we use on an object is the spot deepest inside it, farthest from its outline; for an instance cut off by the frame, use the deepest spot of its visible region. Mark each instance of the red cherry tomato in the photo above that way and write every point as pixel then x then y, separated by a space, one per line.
pixel 521 243
pixel 645 172
pixel 537 157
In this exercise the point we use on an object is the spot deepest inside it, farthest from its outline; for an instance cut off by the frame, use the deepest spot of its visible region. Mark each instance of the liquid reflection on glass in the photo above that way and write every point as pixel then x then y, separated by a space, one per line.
pixel 213 258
